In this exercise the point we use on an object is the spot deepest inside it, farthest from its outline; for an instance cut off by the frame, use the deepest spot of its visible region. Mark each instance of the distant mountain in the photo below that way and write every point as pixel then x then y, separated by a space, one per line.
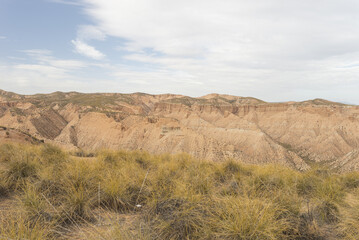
pixel 215 126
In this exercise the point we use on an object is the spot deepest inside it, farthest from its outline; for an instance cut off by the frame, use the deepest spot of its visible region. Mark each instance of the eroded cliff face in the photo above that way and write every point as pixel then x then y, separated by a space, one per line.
pixel 215 126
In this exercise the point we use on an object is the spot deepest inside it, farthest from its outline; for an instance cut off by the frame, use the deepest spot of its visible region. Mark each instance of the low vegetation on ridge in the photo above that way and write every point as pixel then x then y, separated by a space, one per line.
pixel 47 193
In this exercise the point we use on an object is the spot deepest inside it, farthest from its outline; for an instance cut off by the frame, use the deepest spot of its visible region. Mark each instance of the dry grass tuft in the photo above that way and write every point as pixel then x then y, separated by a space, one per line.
pixel 59 196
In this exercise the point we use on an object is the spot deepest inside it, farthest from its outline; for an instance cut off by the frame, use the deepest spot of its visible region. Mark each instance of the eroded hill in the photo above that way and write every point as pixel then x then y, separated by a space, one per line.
pixel 295 134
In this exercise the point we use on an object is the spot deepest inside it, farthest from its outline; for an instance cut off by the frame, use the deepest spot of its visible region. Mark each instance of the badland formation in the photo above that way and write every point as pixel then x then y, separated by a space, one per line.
pixel 216 127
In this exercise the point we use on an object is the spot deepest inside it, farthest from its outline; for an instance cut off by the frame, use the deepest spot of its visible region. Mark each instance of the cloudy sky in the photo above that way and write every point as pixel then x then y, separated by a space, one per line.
pixel 276 50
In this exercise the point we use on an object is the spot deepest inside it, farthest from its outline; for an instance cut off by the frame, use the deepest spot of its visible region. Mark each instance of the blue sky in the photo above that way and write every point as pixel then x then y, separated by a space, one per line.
pixel 276 50
pixel 38 24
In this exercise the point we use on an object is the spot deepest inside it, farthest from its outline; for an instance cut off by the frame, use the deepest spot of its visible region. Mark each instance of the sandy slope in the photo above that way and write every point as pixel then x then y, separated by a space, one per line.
pixel 214 126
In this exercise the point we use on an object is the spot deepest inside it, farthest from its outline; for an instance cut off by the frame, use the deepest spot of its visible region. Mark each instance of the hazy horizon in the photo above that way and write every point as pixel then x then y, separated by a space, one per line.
pixel 148 93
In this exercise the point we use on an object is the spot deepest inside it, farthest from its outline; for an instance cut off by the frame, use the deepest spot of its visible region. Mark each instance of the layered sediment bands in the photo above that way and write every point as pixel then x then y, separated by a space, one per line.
pixel 49 124
pixel 170 107
pixel 322 135
pixel 348 162
pixel 215 127
pixel 237 110
pixel 7 104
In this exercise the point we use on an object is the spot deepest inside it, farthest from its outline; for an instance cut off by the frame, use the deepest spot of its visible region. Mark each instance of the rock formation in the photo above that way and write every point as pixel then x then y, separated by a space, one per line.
pixel 214 126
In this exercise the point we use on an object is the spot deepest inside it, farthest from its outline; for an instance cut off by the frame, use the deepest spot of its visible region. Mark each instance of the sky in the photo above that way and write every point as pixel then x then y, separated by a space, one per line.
pixel 275 50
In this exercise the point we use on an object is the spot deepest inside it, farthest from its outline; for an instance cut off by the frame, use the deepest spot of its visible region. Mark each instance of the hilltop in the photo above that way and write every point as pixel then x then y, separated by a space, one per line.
pixel 215 127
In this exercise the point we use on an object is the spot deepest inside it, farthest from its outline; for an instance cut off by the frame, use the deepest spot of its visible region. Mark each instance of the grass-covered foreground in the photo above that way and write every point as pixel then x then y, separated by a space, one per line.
pixel 46 193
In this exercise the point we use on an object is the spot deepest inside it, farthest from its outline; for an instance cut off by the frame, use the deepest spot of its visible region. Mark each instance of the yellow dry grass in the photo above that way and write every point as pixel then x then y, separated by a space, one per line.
pixel 135 195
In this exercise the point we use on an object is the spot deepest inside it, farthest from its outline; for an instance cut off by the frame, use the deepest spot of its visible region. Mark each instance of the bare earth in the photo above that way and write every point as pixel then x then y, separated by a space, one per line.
pixel 295 134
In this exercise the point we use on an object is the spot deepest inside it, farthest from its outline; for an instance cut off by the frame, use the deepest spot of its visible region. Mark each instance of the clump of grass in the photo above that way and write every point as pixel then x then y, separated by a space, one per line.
pixel 230 169
pixel 349 218
pixel 113 157
pixel 350 180
pixel 33 202
pixel 178 218
pixel 141 232
pixel 52 154
pixel 234 167
pixel 329 195
pixel 199 177
pixel 164 180
pixel 18 227
pixel 77 204
pixel 307 184
pixel 327 211
pixel 79 186
pixel 8 152
pixel 247 218
pixel 267 183
pixel 83 153
pixel 123 189
pixel 3 188
pixel 232 188
pixel 331 190
pixel 121 193
pixel 268 180
pixel 112 190
pixel 172 197
pixel 109 157
pixel 20 170
pixel 51 185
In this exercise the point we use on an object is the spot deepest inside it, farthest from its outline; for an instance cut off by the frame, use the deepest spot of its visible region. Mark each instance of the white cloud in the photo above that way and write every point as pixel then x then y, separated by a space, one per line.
pixel 90 32
pixel 45 74
pixel 232 29
pixel 44 57
pixel 87 50
pixel 86 33
pixel 272 49
pixel 2 37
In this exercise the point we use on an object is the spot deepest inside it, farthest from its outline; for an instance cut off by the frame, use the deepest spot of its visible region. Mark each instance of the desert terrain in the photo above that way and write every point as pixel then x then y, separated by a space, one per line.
pixel 215 127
